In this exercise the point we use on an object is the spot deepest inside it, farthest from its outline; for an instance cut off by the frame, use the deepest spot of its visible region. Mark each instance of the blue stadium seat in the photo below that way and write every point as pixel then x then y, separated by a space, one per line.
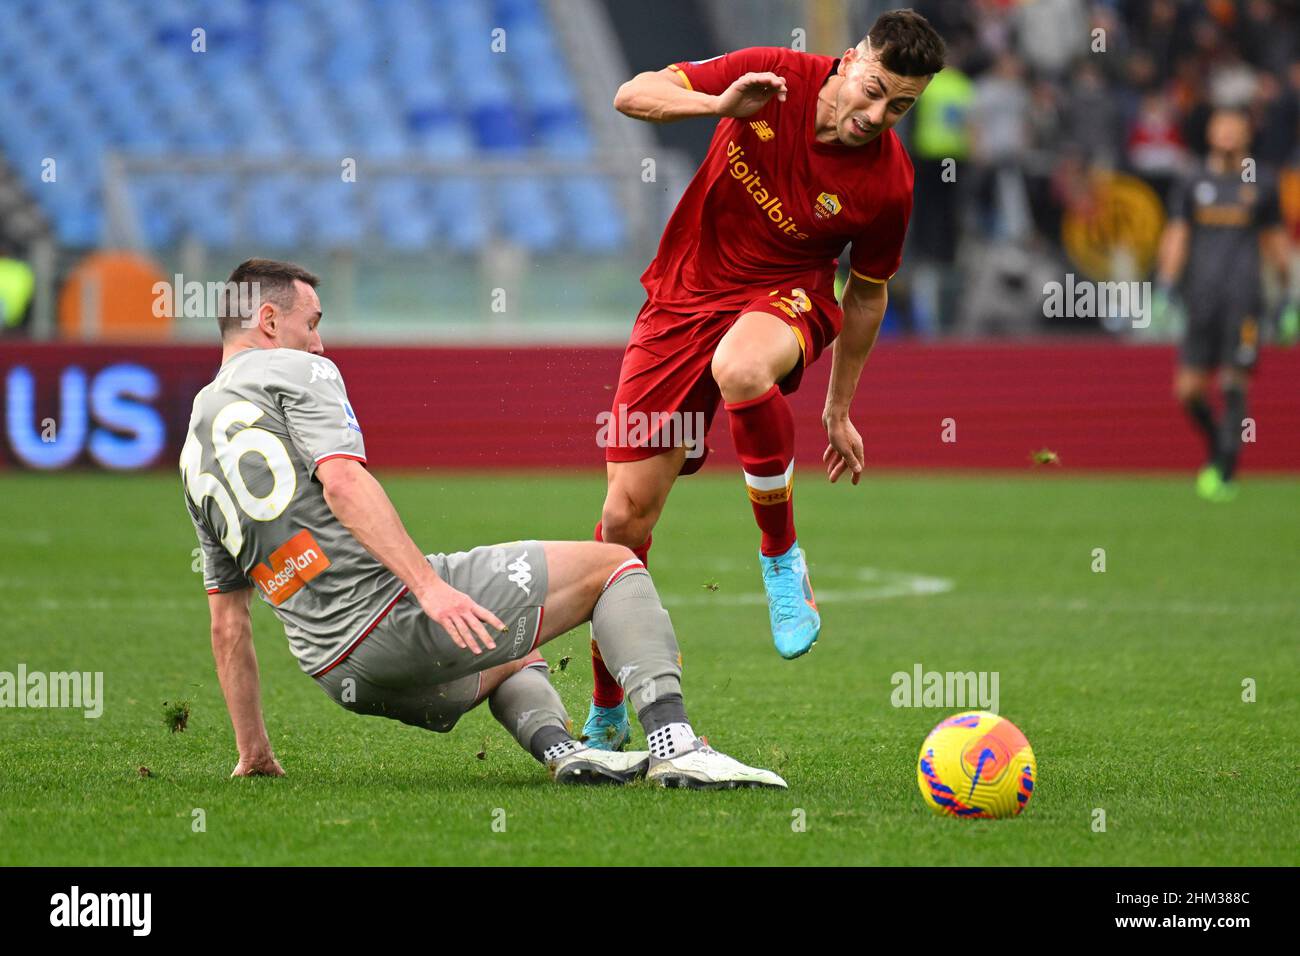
pixel 460 208
pixel 526 215
pixel 404 215
pixel 376 80
pixel 593 218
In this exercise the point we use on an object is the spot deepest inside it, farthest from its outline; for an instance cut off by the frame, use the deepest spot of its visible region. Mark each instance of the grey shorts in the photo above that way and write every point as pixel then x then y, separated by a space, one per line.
pixel 409 669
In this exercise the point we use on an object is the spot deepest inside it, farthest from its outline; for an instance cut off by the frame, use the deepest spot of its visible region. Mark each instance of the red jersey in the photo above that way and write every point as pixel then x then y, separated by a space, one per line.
pixel 770 206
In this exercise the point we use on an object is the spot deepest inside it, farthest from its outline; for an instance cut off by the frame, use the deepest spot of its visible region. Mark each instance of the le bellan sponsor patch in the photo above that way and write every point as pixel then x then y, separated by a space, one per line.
pixel 291 566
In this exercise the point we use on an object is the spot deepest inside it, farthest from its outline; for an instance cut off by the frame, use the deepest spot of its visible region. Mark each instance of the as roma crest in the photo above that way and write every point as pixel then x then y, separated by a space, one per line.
pixel 827 205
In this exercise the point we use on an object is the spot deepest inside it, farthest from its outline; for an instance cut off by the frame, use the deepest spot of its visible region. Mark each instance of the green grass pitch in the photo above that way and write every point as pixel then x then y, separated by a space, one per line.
pixel 1128 683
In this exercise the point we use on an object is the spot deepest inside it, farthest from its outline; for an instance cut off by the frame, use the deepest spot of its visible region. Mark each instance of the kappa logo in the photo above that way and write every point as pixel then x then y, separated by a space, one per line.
pixel 522 574
pixel 523 719
pixel 323 372
pixel 827 205
pixel 521 632
pixel 625 674
pixel 764 131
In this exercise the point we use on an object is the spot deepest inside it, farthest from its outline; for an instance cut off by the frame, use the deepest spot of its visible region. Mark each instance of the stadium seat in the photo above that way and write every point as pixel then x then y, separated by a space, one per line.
pixel 284 79
pixel 595 223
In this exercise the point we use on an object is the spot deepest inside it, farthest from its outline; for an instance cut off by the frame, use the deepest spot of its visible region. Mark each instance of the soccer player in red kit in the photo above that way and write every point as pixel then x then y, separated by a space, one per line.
pixel 741 297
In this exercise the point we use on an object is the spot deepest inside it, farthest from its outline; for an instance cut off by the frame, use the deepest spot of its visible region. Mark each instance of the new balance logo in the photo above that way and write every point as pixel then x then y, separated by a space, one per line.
pixel 764 131
pixel 522 574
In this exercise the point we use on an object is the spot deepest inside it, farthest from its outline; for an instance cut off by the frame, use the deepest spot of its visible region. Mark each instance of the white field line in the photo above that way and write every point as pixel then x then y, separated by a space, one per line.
pixel 878 585
pixel 873 584
pixel 1122 606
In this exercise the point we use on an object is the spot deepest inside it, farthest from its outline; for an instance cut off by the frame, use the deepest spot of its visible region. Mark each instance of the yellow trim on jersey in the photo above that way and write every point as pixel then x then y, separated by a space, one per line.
pixel 803 346
pixel 682 73
pixel 868 278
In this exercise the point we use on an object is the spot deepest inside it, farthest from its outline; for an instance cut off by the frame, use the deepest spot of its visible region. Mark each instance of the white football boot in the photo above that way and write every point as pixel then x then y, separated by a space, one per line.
pixel 702 767
pixel 575 762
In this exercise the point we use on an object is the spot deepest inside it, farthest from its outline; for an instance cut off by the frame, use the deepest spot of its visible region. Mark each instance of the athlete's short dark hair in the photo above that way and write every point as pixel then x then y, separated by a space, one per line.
pixel 1239 110
pixel 274 280
pixel 906 44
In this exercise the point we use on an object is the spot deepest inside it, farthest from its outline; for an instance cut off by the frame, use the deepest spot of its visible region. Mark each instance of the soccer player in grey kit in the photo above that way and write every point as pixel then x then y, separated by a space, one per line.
pixel 276 485
pixel 1220 220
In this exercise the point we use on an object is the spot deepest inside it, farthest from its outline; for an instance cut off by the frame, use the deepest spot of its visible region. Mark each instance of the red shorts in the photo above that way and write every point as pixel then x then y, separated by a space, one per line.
pixel 666 384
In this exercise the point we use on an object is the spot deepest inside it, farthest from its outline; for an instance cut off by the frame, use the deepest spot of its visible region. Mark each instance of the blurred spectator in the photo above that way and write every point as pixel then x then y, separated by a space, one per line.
pixel 1293 91
pixel 1052 34
pixel 1092 119
pixel 1000 138
pixel 941 141
pixel 1262 43
pixel 1232 79
pixel 1164 32
pixel 1156 150
pixel 1275 113
pixel 1048 111
pixel 1043 157
pixel 17 281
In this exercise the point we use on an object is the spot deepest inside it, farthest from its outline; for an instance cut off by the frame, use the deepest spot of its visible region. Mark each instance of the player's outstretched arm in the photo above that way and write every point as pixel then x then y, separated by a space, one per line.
pixel 362 505
pixel 662 97
pixel 864 309
pixel 1276 247
pixel 232 649
pixel 1171 254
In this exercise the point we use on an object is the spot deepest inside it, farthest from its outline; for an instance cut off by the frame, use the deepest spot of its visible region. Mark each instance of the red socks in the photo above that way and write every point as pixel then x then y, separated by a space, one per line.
pixel 605 691
pixel 763 431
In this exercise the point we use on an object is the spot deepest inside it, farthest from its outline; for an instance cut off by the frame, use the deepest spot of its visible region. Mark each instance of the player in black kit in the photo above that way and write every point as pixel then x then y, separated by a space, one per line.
pixel 1222 217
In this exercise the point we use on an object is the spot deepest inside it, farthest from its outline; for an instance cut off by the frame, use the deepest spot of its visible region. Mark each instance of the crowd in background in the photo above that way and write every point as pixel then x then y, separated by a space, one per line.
pixel 1040 95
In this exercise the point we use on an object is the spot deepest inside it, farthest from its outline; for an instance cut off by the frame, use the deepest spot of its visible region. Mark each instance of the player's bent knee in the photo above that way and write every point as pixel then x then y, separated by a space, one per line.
pixel 1189 388
pixel 740 377
pixel 625 523
pixel 611 558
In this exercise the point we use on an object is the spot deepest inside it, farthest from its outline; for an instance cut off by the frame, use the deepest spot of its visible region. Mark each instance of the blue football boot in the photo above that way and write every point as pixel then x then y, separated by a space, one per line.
pixel 607 728
pixel 790 602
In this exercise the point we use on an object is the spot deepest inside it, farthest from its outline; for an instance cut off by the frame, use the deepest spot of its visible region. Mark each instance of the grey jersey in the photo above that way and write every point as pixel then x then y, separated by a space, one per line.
pixel 256 435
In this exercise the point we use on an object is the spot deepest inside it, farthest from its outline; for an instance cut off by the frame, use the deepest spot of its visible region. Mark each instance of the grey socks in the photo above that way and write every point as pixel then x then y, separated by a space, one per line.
pixel 527 705
pixel 637 643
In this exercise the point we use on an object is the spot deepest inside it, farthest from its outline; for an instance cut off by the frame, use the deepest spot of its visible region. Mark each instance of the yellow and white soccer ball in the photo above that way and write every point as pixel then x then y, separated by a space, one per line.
pixel 976 764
